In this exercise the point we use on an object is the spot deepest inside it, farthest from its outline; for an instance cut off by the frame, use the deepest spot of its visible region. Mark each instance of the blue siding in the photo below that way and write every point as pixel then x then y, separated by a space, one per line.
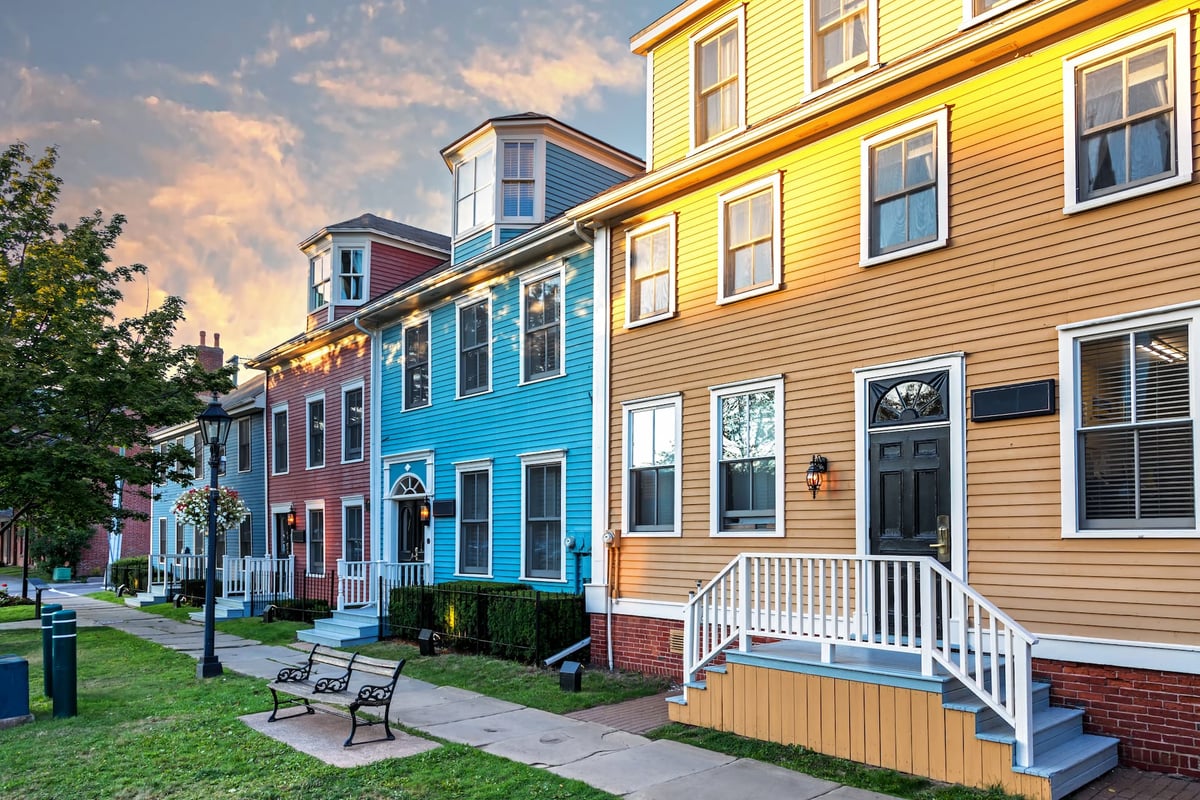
pixel 508 234
pixel 469 248
pixel 572 178
pixel 509 420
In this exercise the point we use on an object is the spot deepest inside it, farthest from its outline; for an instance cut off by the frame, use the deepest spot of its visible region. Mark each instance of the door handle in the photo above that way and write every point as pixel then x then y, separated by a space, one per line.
pixel 943 539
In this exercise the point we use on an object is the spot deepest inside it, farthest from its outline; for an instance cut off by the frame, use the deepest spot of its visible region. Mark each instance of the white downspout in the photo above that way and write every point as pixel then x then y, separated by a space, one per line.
pixel 601 329
pixel 372 499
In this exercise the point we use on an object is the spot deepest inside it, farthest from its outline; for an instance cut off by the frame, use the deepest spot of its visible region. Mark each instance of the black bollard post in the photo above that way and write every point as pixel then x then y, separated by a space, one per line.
pixel 64 664
pixel 47 648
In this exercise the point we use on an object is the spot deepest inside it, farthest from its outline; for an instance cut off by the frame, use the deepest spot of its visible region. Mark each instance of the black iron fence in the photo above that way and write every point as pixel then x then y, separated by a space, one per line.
pixel 314 597
pixel 132 573
pixel 505 620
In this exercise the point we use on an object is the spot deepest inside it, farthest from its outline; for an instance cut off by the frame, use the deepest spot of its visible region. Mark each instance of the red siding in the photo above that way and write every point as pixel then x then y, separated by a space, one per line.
pixel 392 266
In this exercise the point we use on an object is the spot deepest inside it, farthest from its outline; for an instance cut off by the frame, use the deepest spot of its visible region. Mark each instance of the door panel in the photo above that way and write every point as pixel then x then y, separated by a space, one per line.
pixel 910 478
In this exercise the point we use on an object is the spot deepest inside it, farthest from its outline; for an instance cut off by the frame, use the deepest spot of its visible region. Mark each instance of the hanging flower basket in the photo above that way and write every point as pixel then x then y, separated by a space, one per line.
pixel 192 508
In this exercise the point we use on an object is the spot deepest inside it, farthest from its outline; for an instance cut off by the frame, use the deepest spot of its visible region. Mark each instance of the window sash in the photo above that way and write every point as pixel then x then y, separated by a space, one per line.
pixel 747 446
pixel 543 520
pixel 350 273
pixel 750 242
pixel 246 537
pixel 316 433
pixel 198 456
pixel 474 342
pixel 718 84
pixel 314 551
pixel 841 40
pixel 517 188
pixel 416 366
pixel 353 533
pixel 474 526
pixel 318 281
pixel 904 191
pixel 245 445
pixel 650 274
pixel 280 442
pixel 474 178
pixel 352 435
pixel 543 316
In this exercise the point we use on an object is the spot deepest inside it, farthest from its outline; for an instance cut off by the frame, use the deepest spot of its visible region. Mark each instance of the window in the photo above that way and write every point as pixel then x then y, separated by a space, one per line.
pixel 749 240
pixel 353 544
pixel 652 456
pixel 1129 434
pixel 198 456
pixel 318 281
pixel 245 462
pixel 842 39
pixel 314 552
pixel 279 441
pixel 1128 117
pixel 315 431
pixel 541 326
pixel 179 545
pixel 542 509
pixel 979 10
pixel 474 348
pixel 350 275
pixel 748 446
pixel 473 189
pixel 245 537
pixel 650 272
pixel 474 519
pixel 352 423
pixel 904 190
pixel 717 80
pixel 517 184
pixel 416 365
pixel 162 535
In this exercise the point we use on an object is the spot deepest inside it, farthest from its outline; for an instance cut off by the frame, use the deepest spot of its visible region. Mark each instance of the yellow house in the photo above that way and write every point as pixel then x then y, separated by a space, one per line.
pixel 898 414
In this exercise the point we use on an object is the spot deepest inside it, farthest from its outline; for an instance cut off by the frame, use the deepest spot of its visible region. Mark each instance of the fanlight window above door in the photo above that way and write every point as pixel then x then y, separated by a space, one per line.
pixel 911 399
pixel 408 486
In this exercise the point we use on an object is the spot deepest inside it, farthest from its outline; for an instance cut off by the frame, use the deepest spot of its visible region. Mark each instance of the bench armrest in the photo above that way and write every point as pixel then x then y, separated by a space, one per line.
pixel 291 674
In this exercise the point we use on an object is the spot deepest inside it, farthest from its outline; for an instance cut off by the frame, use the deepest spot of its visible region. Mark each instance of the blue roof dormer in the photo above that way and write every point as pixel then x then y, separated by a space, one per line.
pixel 514 173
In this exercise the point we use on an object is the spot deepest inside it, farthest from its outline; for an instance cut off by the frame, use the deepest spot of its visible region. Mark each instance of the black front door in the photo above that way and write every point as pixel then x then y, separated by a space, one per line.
pixel 408 531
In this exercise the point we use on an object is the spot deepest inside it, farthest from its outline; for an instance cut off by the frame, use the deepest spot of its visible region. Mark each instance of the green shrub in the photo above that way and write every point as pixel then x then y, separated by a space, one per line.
pixel 532 625
pixel 131 572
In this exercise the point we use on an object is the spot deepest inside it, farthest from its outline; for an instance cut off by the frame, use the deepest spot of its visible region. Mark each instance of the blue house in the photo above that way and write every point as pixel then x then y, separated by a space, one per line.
pixel 483 466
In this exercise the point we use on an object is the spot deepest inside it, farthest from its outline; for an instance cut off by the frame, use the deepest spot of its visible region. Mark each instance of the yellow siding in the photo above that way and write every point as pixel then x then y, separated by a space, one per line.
pixel 1016 267
pixel 906 27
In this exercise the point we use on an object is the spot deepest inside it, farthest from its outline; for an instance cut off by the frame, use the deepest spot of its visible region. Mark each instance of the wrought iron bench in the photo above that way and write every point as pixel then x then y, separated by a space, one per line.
pixel 299 685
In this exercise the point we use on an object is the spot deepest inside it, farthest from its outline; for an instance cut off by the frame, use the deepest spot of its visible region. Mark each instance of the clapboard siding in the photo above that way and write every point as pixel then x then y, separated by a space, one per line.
pixel 467 249
pixel 572 178
pixel 392 266
pixel 1015 268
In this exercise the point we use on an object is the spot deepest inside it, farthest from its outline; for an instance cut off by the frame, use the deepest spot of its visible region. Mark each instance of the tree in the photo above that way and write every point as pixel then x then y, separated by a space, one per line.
pixel 80 391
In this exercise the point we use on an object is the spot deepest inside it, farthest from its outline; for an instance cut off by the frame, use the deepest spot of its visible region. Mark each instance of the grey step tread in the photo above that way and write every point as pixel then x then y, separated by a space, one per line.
pixel 1074 764
pixel 1045 722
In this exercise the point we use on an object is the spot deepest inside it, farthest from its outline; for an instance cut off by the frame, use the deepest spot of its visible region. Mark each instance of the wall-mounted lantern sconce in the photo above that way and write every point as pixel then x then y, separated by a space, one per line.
pixel 291 518
pixel 817 468
pixel 424 512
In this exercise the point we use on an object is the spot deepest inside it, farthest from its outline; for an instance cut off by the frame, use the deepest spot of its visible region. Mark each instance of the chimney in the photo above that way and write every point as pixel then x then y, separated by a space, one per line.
pixel 211 358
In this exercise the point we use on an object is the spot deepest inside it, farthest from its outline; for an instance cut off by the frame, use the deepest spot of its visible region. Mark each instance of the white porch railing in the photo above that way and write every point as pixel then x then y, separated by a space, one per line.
pixel 246 575
pixel 882 602
pixel 166 569
pixel 358 581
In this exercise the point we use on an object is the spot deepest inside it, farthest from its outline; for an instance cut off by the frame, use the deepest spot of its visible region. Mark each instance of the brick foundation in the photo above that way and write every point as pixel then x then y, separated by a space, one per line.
pixel 640 644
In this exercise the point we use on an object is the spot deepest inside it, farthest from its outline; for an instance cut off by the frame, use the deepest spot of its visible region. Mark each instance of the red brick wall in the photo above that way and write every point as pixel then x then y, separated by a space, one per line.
pixel 1155 714
pixel 640 644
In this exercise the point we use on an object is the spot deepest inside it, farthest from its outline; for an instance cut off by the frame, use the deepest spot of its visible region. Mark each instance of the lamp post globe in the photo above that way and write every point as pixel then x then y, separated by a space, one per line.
pixel 214 431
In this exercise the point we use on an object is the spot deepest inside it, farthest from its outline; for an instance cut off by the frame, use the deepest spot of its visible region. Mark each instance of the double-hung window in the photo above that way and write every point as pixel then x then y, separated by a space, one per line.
pixel 841 39
pixel 245 445
pixel 315 430
pixel 318 281
pixel 279 440
pixel 353 540
pixel 905 202
pixel 198 456
pixel 474 347
pixel 718 80
pixel 314 550
pixel 542 514
pixel 1129 433
pixel 246 536
pixel 650 272
pixel 1128 113
pixel 748 240
pixel 474 197
pixel 652 456
pixel 748 456
pixel 352 422
pixel 518 182
pixel 541 325
pixel 416 365
pixel 474 518
pixel 351 278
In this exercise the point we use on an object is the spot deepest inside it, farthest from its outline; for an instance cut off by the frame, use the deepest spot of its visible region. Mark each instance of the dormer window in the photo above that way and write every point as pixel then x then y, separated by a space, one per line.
pixel 474 179
pixel 517 186
pixel 318 281
pixel 350 275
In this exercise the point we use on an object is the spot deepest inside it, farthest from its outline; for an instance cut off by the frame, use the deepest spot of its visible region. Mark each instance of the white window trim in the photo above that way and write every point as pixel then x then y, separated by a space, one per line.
pixel 738 17
pixel 535 459
pixel 716 393
pixel 1069 338
pixel 327 254
pixel 940 120
pixel 674 400
pixel 276 509
pixel 346 388
pixel 971 19
pixel 534 276
pixel 316 397
pixel 309 507
pixel 539 179
pixel 810 51
pixel 670 223
pixel 470 155
pixel 461 467
pixel 250 425
pixel 459 305
pixel 775 184
pixel 353 501
pixel 336 275
pixel 281 408
pixel 415 323
pixel 1178 28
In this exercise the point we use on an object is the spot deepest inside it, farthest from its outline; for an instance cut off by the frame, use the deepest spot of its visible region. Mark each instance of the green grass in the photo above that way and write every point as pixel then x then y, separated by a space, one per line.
pixel 516 682
pixel 148 728
pixel 253 628
pixel 16 613
pixel 829 768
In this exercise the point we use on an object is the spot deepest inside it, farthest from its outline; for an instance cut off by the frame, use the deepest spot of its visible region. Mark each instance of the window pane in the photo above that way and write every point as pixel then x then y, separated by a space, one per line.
pixel 1104 381
pixel 889 169
pixel 1148 80
pixel 919 164
pixel 316 433
pixel 1102 93
pixel 1161 359
pixel 280 442
pixel 543 526
pixel 922 215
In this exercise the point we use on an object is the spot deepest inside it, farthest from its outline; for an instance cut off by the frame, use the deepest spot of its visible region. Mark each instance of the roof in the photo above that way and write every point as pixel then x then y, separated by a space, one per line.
pixel 632 162
pixel 367 222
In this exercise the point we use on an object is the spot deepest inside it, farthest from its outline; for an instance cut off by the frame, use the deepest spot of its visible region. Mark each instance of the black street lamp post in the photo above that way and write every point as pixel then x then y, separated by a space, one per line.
pixel 214 431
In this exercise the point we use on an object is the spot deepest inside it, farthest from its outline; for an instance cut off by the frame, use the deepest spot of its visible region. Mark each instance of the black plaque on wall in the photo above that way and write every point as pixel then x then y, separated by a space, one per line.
pixel 1033 399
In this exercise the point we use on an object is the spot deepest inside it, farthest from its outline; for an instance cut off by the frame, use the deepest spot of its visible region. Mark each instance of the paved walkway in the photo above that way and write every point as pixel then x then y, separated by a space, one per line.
pixel 600 746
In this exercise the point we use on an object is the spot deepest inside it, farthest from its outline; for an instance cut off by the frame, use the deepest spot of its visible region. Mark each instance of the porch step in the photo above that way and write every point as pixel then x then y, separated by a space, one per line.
pixel 225 608
pixel 145 599
pixel 1074 763
pixel 348 628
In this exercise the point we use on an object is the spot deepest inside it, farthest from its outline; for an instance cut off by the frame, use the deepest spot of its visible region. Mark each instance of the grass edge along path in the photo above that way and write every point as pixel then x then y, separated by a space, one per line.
pixel 147 727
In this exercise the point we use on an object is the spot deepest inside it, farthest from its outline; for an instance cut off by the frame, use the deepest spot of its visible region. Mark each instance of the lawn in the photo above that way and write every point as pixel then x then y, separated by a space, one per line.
pixel 148 728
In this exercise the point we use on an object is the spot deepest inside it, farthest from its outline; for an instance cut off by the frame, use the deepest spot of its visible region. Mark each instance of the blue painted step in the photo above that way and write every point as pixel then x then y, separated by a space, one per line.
pixel 348 628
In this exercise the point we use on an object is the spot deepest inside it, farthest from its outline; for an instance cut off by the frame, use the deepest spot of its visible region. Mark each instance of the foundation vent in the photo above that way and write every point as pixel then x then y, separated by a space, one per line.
pixel 675 642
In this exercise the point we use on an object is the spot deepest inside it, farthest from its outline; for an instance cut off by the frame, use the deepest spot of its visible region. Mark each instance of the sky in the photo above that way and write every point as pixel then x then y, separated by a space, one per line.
pixel 227 131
